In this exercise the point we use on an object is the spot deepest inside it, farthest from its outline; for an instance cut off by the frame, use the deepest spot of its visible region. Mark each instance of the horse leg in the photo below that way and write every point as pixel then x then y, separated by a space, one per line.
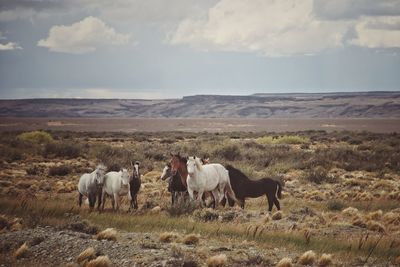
pixel 99 195
pixel 242 202
pixel 215 194
pixel 80 199
pixel 136 204
pixel 200 197
pixel 116 199
pixel 270 202
pixel 190 191
pixel 276 202
pixel 103 197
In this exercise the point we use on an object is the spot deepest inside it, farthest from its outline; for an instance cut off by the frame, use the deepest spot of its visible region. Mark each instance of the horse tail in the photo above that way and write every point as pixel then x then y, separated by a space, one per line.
pixel 280 186
pixel 229 190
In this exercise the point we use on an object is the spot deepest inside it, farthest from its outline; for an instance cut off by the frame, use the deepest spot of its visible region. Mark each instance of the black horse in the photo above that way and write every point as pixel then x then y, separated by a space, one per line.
pixel 175 185
pixel 244 187
pixel 135 184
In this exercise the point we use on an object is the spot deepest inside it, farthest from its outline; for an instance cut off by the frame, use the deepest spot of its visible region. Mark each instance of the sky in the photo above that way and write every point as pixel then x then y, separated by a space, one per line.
pixel 173 48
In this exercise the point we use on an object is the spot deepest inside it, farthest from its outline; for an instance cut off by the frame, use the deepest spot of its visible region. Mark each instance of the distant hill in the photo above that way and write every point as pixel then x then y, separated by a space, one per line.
pixel 297 105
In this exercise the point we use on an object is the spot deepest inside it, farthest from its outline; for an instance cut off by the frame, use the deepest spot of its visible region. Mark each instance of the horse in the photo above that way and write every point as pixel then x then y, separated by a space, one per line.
pixel 175 186
pixel 210 177
pixel 135 184
pixel 90 185
pixel 245 187
pixel 179 165
pixel 116 184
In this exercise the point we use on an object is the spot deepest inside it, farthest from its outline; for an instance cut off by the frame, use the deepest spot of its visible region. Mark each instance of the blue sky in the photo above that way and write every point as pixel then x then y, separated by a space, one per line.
pixel 169 49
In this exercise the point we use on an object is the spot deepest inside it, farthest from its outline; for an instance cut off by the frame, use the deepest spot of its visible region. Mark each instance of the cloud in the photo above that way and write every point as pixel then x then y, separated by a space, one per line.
pixel 273 28
pixel 382 32
pixel 82 37
pixel 9 46
pixel 353 9
pixel 291 27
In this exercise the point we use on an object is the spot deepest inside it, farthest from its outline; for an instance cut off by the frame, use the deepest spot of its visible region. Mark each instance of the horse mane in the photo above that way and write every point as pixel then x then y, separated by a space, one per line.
pixel 101 166
pixel 236 174
pixel 199 164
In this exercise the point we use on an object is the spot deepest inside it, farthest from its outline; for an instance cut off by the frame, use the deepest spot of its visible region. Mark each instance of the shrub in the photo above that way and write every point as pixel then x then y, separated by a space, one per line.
pixel 318 175
pixel 229 152
pixel 61 170
pixel 67 150
pixel 168 237
pixel 285 262
pixel 206 215
pixel 36 137
pixel 33 170
pixel 307 258
pixel 10 154
pixel 100 261
pixel 335 205
pixel 107 234
pixel 86 255
pixel 181 207
pixel 285 139
pixel 217 261
pixel 191 239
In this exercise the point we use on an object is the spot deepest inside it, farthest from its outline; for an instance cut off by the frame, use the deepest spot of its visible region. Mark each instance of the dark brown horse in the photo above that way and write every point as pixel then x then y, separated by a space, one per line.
pixel 245 187
pixel 135 184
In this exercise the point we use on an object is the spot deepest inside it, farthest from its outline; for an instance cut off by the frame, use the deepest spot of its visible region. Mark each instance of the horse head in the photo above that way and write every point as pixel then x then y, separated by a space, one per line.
pixel 193 163
pixel 100 173
pixel 166 172
pixel 175 163
pixel 125 176
pixel 135 171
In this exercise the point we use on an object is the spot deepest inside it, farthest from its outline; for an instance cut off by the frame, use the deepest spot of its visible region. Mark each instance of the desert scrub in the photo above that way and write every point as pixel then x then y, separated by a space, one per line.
pixel 36 137
pixel 61 170
pixel 68 150
pixel 284 139
pixel 228 151
pixel 319 175
pixel 335 205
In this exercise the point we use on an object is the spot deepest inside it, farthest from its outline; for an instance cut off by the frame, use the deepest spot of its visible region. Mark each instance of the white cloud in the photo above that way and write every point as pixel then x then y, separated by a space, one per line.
pixel 9 46
pixel 273 28
pixel 82 37
pixel 381 32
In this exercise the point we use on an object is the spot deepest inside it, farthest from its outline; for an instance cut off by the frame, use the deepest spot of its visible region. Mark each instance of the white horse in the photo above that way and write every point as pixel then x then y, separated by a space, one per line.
pixel 90 185
pixel 116 184
pixel 210 177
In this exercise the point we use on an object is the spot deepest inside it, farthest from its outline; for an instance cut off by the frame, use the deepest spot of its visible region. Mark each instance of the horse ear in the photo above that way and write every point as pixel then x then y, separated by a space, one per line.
pixel 179 154
pixel 194 157
pixel 170 153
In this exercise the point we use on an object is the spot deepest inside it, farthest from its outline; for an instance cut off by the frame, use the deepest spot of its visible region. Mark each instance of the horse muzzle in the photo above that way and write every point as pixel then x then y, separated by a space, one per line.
pixel 191 174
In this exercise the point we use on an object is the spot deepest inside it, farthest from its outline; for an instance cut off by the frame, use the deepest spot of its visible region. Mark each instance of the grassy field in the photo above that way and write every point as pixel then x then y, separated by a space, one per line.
pixel 341 194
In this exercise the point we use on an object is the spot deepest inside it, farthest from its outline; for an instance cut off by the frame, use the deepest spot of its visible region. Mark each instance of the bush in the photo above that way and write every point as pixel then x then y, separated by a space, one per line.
pixel 36 137
pixel 10 154
pixel 285 139
pixel 335 205
pixel 61 170
pixel 317 175
pixel 182 207
pixel 67 150
pixel 228 152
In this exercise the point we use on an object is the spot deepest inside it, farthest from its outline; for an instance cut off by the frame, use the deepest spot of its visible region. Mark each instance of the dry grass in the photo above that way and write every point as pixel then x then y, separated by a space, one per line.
pixel 376 226
pixel 350 211
pixel 86 256
pixel 285 262
pixel 191 239
pixel 22 251
pixel 325 260
pixel 101 261
pixel 168 237
pixel 107 234
pixel 217 261
pixel 307 258
pixel 277 215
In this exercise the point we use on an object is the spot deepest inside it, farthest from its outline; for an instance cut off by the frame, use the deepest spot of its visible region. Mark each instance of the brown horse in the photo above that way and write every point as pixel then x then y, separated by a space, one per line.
pixel 244 187
pixel 178 165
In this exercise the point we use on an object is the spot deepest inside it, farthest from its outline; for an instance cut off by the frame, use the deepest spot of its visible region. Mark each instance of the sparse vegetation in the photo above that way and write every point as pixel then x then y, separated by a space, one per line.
pixel 61 170
pixel 341 185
